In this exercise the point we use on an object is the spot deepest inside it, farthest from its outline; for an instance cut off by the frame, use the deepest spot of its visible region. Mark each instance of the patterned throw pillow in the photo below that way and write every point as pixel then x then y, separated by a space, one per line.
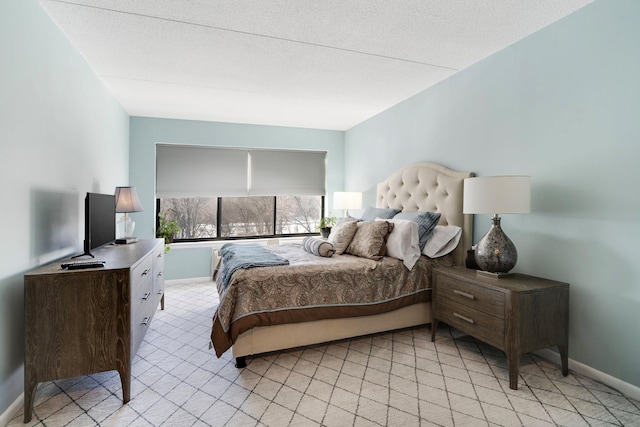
pixel 318 247
pixel 370 238
pixel 341 235
pixel 426 223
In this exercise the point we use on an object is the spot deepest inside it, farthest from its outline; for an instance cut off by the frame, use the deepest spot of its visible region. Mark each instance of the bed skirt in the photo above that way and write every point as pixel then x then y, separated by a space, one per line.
pixel 264 339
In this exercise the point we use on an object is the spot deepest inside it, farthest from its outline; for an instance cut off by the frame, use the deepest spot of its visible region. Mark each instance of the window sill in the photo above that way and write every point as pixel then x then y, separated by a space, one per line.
pixel 217 244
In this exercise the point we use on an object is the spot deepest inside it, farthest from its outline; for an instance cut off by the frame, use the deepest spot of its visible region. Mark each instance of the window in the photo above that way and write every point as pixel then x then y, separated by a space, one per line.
pixel 227 193
pixel 242 217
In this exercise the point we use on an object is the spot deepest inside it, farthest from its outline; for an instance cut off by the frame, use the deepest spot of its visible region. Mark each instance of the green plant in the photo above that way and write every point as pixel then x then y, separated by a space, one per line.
pixel 167 229
pixel 327 222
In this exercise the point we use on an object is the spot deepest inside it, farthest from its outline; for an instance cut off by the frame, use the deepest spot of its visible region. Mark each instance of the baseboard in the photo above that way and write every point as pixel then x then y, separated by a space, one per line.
pixel 11 411
pixel 169 282
pixel 629 390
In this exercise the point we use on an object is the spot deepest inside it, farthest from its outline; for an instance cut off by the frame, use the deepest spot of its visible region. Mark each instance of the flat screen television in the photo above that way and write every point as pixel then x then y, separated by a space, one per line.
pixel 99 221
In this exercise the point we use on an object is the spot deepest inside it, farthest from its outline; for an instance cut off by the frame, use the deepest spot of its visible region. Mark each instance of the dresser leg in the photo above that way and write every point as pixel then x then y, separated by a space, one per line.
pixel 125 380
pixel 513 359
pixel 162 302
pixel 564 358
pixel 434 328
pixel 29 393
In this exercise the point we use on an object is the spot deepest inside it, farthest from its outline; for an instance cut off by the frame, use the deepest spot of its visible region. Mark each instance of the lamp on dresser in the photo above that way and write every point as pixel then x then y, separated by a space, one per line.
pixel 127 201
pixel 495 253
pixel 347 200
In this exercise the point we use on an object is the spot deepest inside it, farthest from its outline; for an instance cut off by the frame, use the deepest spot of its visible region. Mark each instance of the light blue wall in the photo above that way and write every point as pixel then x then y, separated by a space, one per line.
pixel 563 106
pixel 146 132
pixel 61 134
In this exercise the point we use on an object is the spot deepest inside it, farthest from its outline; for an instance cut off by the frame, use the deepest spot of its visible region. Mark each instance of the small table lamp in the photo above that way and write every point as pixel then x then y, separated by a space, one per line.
pixel 127 200
pixel 495 253
pixel 347 200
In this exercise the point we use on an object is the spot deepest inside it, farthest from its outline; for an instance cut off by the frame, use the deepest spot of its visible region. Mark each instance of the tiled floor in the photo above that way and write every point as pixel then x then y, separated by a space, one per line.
pixel 396 379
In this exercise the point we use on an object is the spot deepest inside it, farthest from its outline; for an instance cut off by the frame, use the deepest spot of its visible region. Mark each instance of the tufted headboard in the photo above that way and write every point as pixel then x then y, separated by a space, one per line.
pixel 430 187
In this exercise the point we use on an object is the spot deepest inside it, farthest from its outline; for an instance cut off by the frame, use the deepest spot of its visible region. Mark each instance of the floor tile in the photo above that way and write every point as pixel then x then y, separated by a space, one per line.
pixel 397 378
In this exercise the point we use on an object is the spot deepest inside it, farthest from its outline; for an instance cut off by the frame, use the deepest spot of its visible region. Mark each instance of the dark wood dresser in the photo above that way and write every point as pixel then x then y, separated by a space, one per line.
pixel 516 314
pixel 79 322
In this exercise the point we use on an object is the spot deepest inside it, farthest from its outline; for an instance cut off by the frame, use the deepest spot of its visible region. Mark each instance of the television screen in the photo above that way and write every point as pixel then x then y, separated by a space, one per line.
pixel 100 220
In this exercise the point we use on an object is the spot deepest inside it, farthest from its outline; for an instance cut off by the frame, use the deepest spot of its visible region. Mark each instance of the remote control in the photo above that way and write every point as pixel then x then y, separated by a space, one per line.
pixel 77 265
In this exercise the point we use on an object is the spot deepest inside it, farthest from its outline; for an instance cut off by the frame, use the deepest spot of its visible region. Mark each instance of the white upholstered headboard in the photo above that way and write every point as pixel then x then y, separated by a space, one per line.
pixel 430 187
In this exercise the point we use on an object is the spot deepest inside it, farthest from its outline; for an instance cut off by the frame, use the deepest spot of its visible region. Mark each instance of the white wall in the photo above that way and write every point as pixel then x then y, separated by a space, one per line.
pixel 563 106
pixel 61 134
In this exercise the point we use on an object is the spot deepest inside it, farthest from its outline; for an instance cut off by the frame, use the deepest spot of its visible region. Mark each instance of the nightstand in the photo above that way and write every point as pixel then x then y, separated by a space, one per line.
pixel 516 314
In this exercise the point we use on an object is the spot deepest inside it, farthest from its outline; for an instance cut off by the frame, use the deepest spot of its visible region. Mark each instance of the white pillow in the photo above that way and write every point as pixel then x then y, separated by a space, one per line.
pixel 443 240
pixel 403 242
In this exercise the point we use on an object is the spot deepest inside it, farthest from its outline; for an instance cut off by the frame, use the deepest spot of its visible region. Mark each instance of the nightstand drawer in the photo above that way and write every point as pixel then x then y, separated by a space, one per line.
pixel 476 297
pixel 476 323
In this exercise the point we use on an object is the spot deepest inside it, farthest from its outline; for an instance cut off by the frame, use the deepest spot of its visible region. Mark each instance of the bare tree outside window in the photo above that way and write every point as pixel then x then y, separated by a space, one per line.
pixel 246 216
pixel 297 214
pixel 195 216
pixel 243 216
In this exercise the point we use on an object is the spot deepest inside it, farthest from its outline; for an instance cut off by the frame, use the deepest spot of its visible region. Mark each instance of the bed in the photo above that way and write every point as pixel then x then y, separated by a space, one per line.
pixel 418 187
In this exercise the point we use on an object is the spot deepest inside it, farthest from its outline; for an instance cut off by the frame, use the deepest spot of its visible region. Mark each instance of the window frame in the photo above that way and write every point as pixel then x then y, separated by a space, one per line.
pixel 218 223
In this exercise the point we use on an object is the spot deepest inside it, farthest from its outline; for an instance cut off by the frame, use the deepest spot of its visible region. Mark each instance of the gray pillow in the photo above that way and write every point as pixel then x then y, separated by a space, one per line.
pixel 426 223
pixel 370 213
pixel 318 247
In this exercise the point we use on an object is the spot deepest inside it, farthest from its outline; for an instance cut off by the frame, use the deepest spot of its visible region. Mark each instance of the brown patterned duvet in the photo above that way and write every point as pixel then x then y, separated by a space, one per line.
pixel 313 288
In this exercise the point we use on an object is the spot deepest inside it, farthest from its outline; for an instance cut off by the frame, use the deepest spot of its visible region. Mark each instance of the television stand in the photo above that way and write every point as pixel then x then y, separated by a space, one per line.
pixel 79 322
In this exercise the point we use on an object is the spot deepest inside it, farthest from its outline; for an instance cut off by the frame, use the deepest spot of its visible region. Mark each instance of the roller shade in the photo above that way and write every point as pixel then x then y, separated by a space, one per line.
pixel 283 172
pixel 189 171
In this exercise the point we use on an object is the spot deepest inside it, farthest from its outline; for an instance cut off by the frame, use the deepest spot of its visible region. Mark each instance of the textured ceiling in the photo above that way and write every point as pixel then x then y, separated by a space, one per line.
pixel 304 63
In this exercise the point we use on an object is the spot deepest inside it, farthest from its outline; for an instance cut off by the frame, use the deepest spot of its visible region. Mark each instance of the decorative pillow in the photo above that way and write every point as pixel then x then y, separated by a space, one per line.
pixel 346 219
pixel 318 247
pixel 370 213
pixel 426 223
pixel 341 235
pixel 370 238
pixel 403 241
pixel 443 240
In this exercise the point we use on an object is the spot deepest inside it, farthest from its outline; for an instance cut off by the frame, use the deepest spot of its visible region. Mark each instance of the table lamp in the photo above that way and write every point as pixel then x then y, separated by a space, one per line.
pixel 495 253
pixel 347 200
pixel 127 201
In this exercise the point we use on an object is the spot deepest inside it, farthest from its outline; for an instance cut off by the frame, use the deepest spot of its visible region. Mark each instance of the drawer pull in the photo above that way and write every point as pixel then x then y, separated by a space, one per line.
pixel 463 294
pixel 144 273
pixel 147 295
pixel 465 318
pixel 145 321
pixel 159 255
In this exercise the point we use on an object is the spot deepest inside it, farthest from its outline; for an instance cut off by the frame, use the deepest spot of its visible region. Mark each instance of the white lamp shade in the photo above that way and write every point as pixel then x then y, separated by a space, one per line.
pixel 347 200
pixel 497 195
pixel 127 200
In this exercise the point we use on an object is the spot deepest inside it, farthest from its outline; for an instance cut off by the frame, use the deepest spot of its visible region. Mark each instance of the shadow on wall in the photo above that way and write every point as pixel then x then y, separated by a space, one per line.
pixel 54 225
pixel 11 336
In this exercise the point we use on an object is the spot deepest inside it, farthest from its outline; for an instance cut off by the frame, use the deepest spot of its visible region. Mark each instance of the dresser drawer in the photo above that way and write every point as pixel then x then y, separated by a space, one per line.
pixel 158 271
pixel 142 280
pixel 473 296
pixel 140 320
pixel 476 323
